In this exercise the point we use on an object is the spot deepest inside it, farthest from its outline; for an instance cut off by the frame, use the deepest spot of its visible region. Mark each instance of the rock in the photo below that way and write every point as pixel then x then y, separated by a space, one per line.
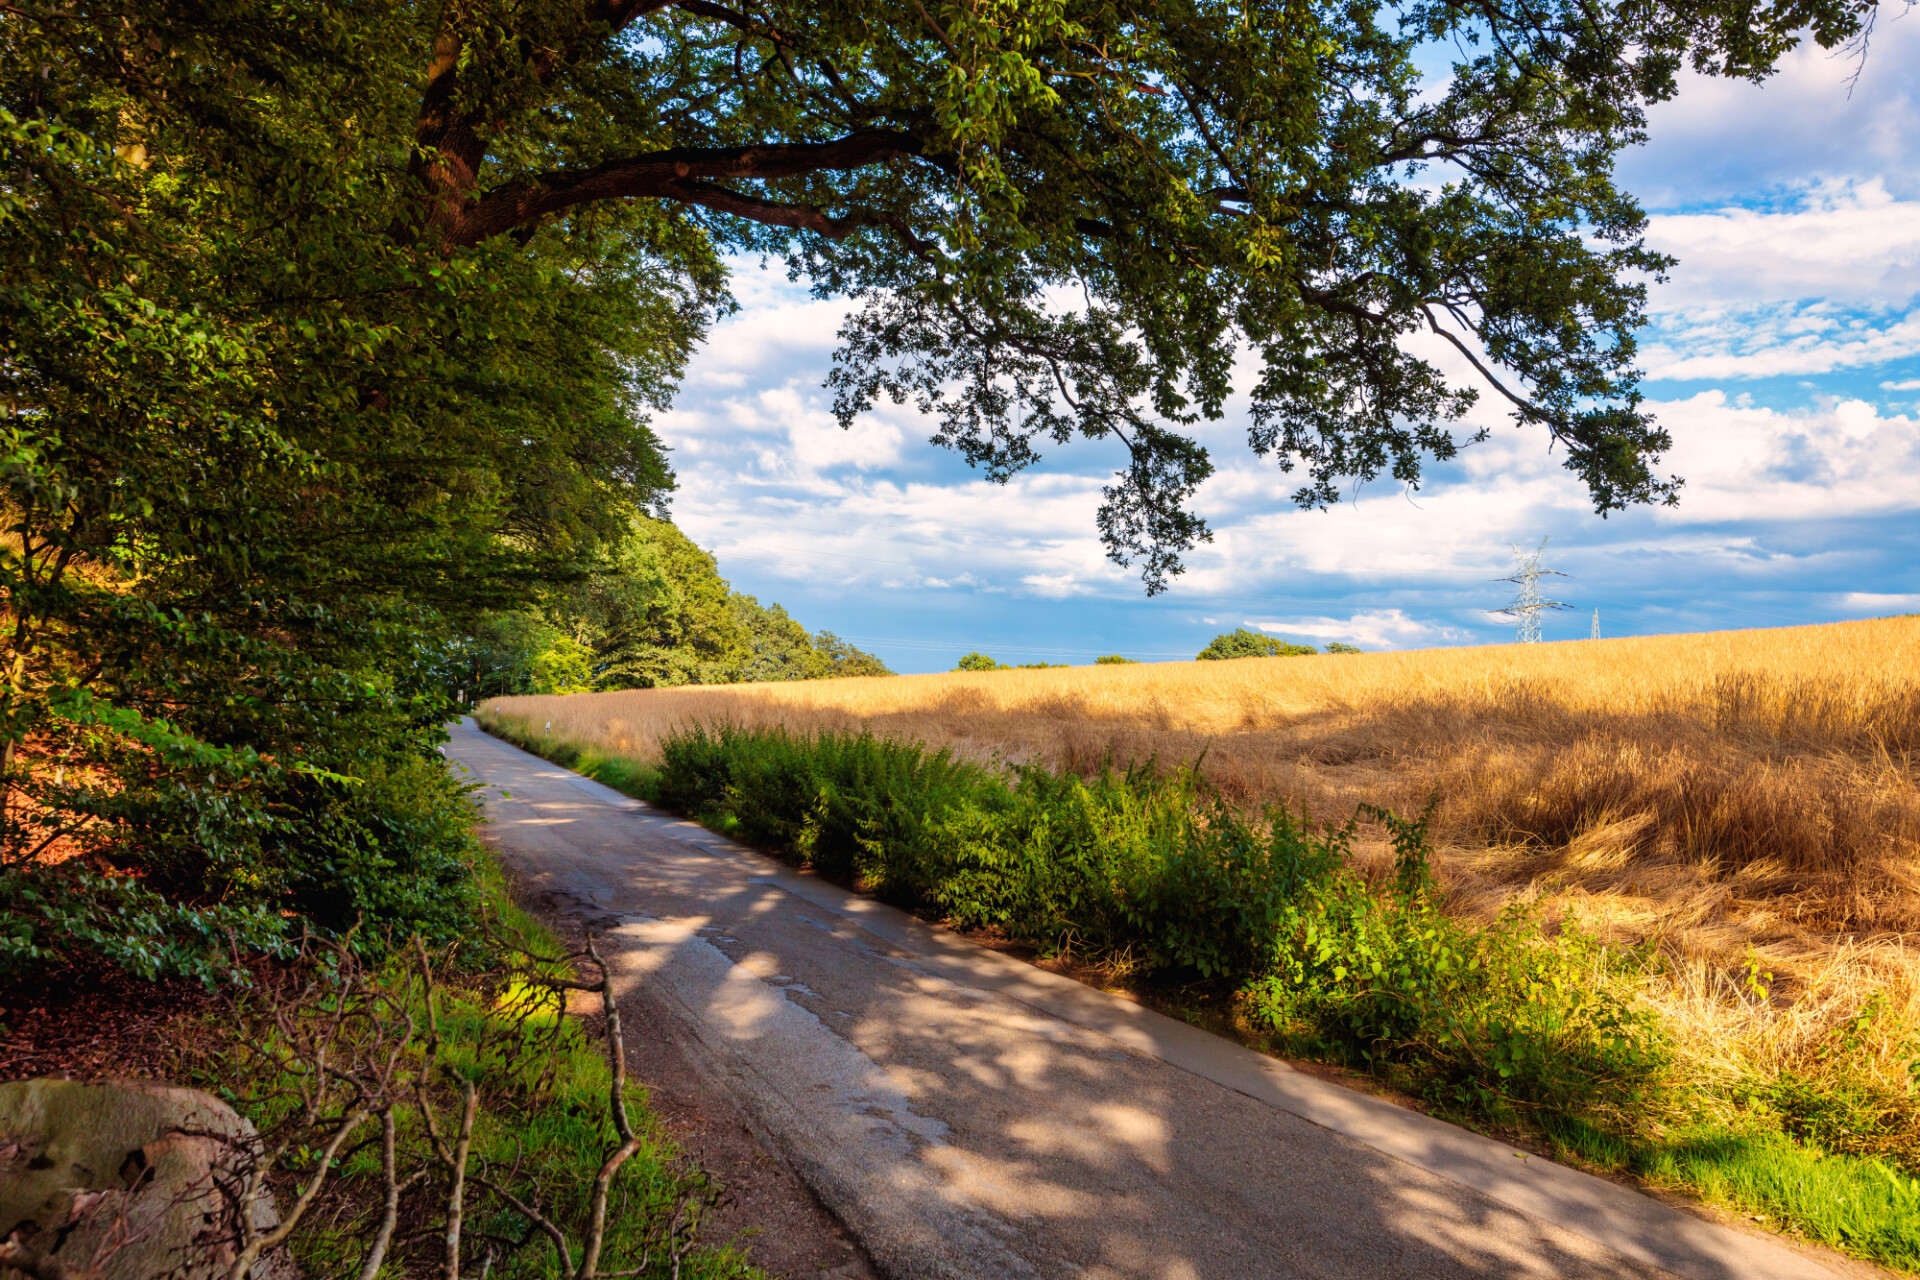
pixel 127 1180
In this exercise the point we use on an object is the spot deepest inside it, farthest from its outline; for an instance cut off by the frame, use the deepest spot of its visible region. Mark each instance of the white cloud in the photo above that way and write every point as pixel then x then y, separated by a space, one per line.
pixel 1911 384
pixel 1055 586
pixel 1873 603
pixel 1788 340
pixel 1845 243
pixel 1379 628
pixel 1826 281
pixel 1718 139
pixel 1843 458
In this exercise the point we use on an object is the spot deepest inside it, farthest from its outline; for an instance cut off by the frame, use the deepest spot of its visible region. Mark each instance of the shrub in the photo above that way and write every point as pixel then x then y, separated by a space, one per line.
pixel 1147 869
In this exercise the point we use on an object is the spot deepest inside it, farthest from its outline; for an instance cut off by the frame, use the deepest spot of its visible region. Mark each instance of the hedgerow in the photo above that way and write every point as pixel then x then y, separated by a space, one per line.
pixel 1148 870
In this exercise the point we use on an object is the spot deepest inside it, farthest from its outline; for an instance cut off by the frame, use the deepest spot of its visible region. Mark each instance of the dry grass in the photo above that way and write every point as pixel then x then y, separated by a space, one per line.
pixel 1734 795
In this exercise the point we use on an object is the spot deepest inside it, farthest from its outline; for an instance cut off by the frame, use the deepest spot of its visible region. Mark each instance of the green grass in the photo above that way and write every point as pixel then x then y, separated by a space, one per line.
pixel 623 773
pixel 1500 1028
pixel 1849 1202
pixel 546 1112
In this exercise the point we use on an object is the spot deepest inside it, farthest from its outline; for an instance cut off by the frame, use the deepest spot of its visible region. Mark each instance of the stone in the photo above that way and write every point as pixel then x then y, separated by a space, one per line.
pixel 128 1180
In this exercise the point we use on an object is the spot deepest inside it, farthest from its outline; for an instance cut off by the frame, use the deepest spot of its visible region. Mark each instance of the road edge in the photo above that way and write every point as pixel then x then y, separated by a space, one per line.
pixel 1619 1218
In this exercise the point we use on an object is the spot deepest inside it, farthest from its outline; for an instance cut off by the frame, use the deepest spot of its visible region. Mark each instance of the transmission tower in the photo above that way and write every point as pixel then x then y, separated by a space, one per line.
pixel 1529 605
pixel 1596 626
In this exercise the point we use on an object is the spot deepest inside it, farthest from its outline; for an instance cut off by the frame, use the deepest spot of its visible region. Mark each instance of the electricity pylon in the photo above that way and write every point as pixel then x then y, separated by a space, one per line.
pixel 1596 626
pixel 1529 604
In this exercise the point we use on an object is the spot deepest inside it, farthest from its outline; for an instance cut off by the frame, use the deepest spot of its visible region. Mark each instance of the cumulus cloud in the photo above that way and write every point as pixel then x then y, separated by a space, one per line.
pixel 1374 628
pixel 1845 243
pixel 1875 602
pixel 1842 458
pixel 1823 115
pixel 1829 280
pixel 1055 586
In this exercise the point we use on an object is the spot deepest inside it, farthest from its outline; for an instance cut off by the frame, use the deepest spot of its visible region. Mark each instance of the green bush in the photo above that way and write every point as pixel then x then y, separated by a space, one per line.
pixel 1149 869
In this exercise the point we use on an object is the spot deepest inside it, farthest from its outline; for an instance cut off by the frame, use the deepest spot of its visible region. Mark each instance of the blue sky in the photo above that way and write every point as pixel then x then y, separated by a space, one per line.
pixel 1784 357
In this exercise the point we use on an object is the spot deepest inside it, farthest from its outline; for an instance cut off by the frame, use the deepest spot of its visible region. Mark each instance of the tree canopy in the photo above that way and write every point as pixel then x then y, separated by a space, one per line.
pixel 1058 218
pixel 655 613
pixel 1242 643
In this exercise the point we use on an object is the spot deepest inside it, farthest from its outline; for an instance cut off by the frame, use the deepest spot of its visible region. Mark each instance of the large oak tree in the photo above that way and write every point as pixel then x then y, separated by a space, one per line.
pixel 1072 217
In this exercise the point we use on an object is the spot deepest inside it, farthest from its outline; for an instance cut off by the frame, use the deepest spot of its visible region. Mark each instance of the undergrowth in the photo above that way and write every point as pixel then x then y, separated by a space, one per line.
pixel 542 1085
pixel 1543 1032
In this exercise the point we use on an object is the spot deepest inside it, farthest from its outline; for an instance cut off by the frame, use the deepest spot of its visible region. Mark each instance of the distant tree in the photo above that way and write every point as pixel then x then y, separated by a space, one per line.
pixel 778 648
pixel 657 613
pixel 661 615
pixel 1338 647
pixel 565 666
pixel 1043 666
pixel 1243 643
pixel 846 660
pixel 1112 660
pixel 977 661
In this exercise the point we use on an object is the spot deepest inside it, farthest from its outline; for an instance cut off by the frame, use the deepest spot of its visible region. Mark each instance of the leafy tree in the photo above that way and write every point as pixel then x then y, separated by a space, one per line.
pixel 844 659
pixel 563 667
pixel 657 613
pixel 1208 180
pixel 1113 660
pixel 1336 646
pixel 260 446
pixel 1242 643
pixel 977 661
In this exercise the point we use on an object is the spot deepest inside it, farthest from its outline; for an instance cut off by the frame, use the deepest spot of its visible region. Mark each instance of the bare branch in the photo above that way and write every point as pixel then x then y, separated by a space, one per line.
pixel 244 1260
pixel 1527 410
pixel 390 1210
pixel 457 1180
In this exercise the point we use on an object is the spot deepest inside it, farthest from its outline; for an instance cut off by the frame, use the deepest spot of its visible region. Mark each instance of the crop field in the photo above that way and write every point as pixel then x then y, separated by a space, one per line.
pixel 1743 808
pixel 1728 790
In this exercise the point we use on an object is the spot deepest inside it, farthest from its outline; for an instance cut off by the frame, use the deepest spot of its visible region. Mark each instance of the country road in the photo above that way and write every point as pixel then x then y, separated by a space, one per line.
pixel 967 1115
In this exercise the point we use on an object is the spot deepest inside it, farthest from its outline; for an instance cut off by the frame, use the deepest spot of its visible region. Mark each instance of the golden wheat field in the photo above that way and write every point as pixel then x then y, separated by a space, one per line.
pixel 1746 797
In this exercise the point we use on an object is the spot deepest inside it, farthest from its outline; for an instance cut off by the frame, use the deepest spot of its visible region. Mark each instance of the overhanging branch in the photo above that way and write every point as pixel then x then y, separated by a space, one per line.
pixel 686 174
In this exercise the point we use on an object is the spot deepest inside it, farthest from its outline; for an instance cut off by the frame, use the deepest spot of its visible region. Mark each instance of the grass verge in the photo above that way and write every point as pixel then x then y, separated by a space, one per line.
pixel 542 1120
pixel 1539 1030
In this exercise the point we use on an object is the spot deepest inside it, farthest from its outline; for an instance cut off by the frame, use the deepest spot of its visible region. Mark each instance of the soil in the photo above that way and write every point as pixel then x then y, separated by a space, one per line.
pixel 91 1021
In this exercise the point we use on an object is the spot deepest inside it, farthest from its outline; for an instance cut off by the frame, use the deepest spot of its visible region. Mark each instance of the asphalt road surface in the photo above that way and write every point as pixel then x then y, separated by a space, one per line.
pixel 967 1115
